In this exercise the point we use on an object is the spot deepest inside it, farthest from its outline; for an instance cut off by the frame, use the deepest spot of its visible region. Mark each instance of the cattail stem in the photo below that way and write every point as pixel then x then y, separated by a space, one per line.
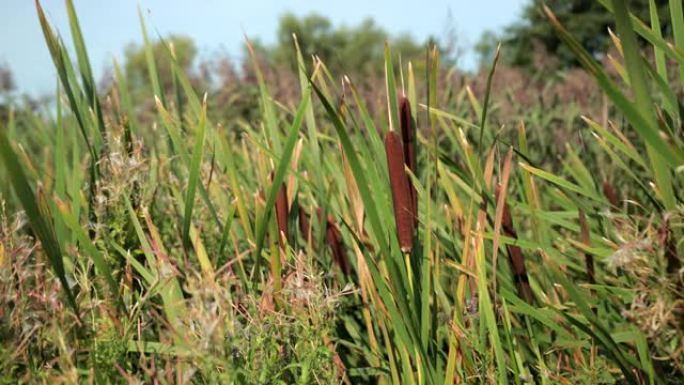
pixel 401 195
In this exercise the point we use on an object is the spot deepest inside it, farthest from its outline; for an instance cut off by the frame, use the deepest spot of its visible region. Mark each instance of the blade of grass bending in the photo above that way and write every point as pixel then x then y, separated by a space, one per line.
pixel 125 96
pixel 488 91
pixel 63 67
pixel 642 96
pixel 355 165
pixel 561 182
pixel 169 290
pixel 500 196
pixel 148 276
pixel 65 71
pixel 60 162
pixel 644 31
pixel 90 89
pixel 658 52
pixel 278 177
pixel 646 129
pixel 310 119
pixel 194 169
pixel 486 306
pixel 198 108
pixel 612 349
pixel 625 148
pixel 391 88
pixel 151 63
pixel 194 239
pixel 39 224
pixel 599 331
pixel 270 120
pixel 628 170
pixel 677 18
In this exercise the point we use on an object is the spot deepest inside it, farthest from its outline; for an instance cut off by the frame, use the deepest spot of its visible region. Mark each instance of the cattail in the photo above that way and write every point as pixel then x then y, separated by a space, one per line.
pixel 610 194
pixel 281 212
pixel 333 238
pixel 515 255
pixel 304 224
pixel 408 137
pixel 339 252
pixel 401 195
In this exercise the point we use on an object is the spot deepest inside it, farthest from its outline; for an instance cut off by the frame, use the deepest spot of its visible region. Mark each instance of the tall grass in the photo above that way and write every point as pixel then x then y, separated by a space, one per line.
pixel 175 245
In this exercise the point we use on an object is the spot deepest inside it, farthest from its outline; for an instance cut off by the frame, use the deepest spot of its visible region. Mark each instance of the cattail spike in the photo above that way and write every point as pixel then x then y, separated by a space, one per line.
pixel 610 194
pixel 401 195
pixel 304 224
pixel 282 212
pixel 670 247
pixel 333 237
pixel 339 252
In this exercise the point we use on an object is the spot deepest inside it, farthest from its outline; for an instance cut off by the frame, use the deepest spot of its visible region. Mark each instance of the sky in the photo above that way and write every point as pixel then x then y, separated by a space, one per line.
pixel 218 26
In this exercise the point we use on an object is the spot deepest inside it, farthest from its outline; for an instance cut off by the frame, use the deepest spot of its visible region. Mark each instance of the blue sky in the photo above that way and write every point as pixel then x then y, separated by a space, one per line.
pixel 217 26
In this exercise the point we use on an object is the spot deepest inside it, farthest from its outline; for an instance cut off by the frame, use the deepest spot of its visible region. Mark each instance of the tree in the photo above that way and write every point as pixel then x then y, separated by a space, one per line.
pixel 6 87
pixel 587 19
pixel 137 73
pixel 344 49
pixel 6 80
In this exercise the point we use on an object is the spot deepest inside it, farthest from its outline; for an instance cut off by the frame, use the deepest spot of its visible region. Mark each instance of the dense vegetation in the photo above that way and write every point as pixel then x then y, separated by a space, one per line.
pixel 418 227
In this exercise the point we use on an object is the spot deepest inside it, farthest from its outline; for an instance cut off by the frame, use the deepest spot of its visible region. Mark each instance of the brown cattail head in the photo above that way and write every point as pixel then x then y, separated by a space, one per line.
pixel 515 255
pixel 670 247
pixel 610 194
pixel 282 212
pixel 408 135
pixel 333 237
pixel 339 252
pixel 304 224
pixel 401 195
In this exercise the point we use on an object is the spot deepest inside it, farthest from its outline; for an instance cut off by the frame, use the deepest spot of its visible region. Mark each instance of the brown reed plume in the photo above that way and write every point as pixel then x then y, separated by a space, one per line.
pixel 401 194
pixel 515 255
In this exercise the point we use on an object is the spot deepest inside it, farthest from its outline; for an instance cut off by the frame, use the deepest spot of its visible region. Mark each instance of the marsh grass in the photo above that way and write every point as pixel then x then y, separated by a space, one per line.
pixel 166 251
